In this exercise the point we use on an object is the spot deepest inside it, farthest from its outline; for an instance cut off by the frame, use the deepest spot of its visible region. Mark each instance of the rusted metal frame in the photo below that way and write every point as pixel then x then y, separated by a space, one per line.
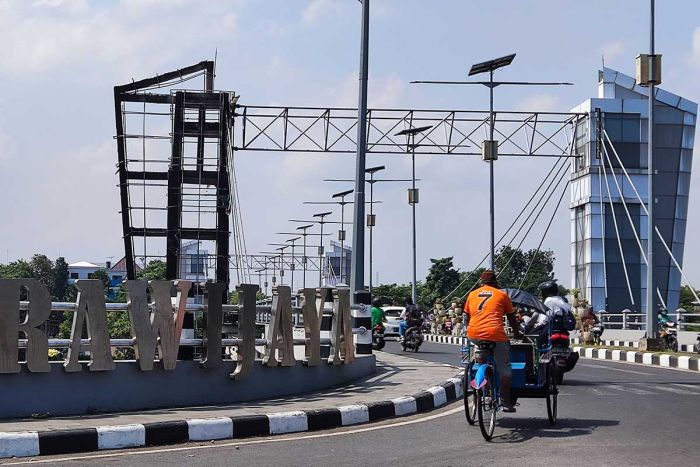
pixel 387 133
pixel 148 98
pixel 301 132
pixel 262 131
pixel 123 186
pixel 174 218
pixel 224 196
pixel 207 66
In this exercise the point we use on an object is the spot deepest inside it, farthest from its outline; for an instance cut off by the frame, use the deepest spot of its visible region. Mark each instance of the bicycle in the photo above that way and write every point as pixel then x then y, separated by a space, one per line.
pixel 482 394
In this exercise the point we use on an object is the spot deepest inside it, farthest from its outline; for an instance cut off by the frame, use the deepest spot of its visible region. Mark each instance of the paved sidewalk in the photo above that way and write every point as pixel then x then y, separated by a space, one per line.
pixel 401 386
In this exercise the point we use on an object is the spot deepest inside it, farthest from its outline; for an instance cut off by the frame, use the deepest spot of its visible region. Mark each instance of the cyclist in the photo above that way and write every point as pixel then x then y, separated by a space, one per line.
pixel 485 308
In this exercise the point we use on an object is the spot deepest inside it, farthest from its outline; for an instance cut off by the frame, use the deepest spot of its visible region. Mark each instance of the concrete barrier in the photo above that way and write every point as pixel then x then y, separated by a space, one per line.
pixel 126 388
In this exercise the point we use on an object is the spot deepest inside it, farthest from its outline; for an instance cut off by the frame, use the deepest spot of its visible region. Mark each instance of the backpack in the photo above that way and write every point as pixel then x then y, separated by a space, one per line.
pixel 563 319
pixel 413 313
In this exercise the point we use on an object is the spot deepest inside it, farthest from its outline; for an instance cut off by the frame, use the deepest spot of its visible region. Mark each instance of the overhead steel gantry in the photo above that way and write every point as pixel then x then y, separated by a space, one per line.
pixel 175 157
pixel 453 132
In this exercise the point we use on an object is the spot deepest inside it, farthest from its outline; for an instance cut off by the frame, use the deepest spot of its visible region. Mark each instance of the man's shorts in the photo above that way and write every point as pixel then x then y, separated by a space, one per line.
pixel 501 354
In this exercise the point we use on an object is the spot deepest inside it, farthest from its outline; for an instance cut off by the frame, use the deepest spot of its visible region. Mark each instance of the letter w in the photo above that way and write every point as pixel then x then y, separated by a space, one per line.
pixel 155 323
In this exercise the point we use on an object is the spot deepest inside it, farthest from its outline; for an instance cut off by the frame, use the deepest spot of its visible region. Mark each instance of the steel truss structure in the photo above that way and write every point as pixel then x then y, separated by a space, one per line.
pixel 453 132
pixel 175 160
pixel 173 163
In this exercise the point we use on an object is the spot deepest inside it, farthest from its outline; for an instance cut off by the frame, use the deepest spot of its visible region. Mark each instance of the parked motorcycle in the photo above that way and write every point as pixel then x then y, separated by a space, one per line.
pixel 378 342
pixel 412 339
pixel 564 358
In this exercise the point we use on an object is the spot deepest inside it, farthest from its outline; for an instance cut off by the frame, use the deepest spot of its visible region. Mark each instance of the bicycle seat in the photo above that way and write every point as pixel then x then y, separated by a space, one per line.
pixel 486 345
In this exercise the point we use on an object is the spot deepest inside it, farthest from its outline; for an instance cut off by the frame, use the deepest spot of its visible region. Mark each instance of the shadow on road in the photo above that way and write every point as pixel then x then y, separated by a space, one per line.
pixel 522 430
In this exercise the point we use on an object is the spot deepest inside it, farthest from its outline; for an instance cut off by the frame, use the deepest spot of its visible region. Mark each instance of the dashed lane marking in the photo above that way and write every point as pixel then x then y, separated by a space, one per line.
pixel 618 369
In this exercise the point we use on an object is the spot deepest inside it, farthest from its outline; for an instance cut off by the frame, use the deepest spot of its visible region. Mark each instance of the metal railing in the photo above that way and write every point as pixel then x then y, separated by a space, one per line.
pixel 637 321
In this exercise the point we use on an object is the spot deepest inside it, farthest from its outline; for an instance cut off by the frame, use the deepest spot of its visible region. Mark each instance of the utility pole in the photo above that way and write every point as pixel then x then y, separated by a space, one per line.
pixel 357 261
pixel 652 325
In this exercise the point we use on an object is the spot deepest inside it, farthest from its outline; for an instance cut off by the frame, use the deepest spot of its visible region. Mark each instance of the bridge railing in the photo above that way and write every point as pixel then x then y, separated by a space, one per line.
pixel 637 321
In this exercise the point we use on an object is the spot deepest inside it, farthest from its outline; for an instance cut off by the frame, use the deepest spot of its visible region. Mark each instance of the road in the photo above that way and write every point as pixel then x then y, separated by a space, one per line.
pixel 609 414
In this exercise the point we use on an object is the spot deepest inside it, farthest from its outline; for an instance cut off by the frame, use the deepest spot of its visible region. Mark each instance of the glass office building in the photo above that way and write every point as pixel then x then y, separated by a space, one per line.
pixel 606 256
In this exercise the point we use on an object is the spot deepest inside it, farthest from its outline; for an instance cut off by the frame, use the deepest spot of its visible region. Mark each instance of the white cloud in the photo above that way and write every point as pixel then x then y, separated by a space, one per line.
pixel 612 50
pixel 37 38
pixel 540 103
pixel 316 9
pixel 695 57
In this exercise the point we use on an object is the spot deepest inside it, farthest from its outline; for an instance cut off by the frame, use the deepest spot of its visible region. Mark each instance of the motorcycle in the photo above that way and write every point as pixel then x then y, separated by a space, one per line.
pixel 597 331
pixel 378 341
pixel 447 326
pixel 412 339
pixel 668 332
pixel 696 347
pixel 426 327
pixel 564 358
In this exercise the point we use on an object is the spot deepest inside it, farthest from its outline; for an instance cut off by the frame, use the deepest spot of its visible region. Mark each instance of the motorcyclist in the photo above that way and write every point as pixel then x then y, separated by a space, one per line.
pixel 378 316
pixel 410 316
pixel 485 308
pixel 559 312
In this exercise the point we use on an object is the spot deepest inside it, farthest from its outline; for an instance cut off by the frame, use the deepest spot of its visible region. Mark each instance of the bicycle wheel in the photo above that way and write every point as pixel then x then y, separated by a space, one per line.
pixel 551 391
pixel 486 402
pixel 469 398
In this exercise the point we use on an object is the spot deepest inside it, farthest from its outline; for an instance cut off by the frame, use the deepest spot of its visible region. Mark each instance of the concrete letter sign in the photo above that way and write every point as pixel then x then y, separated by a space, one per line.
pixel 280 327
pixel 148 326
pixel 246 331
pixel 38 312
pixel 312 308
pixel 91 307
pixel 342 344
pixel 215 292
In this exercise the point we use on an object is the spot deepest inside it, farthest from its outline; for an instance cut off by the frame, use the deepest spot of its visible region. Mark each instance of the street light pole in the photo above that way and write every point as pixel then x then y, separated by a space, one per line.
pixel 652 325
pixel 410 134
pixel 371 219
pixel 492 210
pixel 357 262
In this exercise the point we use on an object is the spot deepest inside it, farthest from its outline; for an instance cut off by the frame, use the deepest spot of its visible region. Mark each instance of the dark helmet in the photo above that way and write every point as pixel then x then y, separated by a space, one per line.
pixel 549 289
pixel 377 303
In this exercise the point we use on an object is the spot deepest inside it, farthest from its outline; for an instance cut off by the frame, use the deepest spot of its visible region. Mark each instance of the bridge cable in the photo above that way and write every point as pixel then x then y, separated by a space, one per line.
pixel 517 218
pixel 602 233
pixel 617 234
pixel 551 219
pixel 644 207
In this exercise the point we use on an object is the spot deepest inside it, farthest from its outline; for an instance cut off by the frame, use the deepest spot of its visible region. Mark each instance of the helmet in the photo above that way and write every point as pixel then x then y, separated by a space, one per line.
pixel 549 289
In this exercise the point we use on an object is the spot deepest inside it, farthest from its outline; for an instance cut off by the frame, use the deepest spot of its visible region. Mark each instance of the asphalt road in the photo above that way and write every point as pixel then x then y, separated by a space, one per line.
pixel 609 414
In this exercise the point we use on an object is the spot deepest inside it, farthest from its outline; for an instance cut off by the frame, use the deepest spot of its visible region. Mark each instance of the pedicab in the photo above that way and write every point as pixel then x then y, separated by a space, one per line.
pixel 533 373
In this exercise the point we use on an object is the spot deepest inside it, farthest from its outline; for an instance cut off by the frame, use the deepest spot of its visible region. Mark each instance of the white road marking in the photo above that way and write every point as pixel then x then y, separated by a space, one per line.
pixel 618 369
pixel 240 443
pixel 630 388
pixel 684 392
pixel 688 386
pixel 598 392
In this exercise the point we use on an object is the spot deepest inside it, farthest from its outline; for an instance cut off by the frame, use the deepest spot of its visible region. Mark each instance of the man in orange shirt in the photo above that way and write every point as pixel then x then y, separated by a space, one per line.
pixel 485 308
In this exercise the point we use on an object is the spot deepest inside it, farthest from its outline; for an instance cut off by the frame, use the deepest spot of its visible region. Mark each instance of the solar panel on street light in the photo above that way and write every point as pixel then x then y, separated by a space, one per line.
pixel 491 65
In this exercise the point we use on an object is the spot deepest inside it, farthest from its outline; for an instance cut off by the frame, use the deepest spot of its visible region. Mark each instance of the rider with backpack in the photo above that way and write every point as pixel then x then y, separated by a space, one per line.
pixel 410 316
pixel 559 313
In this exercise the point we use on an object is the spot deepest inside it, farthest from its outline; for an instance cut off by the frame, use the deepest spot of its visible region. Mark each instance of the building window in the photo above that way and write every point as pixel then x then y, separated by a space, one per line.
pixel 197 264
pixel 74 275
pixel 624 131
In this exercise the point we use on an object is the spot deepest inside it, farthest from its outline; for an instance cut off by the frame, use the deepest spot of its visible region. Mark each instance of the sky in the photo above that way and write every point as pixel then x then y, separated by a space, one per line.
pixel 61 59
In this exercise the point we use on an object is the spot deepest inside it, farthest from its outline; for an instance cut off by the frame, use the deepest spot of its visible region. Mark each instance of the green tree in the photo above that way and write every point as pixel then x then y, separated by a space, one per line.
pixel 19 269
pixel 154 271
pixel 60 277
pixel 390 293
pixel 442 279
pixel 529 268
pixel 42 269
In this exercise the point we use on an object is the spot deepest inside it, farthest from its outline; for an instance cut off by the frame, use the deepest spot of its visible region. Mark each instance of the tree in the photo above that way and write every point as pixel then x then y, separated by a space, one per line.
pixel 19 269
pixel 154 271
pixel 516 267
pixel 442 279
pixel 392 293
pixel 42 269
pixel 60 276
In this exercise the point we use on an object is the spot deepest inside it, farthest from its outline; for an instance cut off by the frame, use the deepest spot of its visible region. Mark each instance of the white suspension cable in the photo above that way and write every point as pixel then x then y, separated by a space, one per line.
pixel 602 233
pixel 644 207
pixel 617 234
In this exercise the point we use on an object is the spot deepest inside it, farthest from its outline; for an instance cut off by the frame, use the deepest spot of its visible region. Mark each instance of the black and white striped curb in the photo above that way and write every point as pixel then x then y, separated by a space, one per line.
pixel 33 443
pixel 682 362
pixel 632 344
pixel 440 339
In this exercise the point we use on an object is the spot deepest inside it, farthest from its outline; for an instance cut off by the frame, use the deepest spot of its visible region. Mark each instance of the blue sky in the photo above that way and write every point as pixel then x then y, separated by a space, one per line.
pixel 61 59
